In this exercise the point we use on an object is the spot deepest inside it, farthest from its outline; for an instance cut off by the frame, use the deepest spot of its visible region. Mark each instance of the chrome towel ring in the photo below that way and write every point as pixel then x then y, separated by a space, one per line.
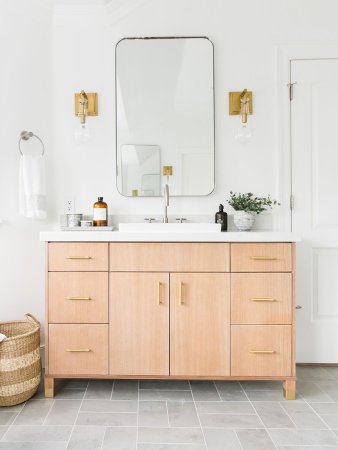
pixel 25 135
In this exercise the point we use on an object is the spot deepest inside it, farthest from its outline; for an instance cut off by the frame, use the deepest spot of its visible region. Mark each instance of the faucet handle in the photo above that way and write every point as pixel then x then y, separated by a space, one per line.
pixel 181 219
pixel 149 219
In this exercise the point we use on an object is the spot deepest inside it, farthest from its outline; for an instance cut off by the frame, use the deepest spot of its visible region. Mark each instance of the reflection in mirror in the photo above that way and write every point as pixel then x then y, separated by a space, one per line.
pixel 141 165
pixel 165 108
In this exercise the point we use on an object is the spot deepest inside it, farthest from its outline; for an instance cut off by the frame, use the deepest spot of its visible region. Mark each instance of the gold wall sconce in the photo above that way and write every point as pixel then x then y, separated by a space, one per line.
pixel 240 104
pixel 85 105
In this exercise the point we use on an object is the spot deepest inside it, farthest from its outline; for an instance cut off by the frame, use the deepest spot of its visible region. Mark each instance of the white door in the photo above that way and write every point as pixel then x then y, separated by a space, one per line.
pixel 314 143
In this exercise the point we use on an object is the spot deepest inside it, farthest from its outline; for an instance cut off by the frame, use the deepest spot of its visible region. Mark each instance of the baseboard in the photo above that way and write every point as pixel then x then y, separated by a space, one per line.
pixel 317 364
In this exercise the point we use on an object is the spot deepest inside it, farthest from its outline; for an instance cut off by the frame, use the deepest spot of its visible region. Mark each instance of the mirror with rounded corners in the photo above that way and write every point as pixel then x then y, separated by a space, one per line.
pixel 165 116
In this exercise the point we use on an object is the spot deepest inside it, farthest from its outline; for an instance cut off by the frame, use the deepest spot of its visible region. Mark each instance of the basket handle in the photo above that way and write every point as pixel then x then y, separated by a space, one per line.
pixel 31 318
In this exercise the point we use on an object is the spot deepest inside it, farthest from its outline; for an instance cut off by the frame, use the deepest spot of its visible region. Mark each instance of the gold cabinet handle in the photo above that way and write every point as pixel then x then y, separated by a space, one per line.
pixel 267 352
pixel 264 258
pixel 263 299
pixel 159 285
pixel 78 350
pixel 79 298
pixel 79 257
pixel 180 297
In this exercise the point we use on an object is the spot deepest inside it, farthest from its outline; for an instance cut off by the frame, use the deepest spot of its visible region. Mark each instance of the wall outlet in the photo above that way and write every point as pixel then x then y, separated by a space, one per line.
pixel 69 205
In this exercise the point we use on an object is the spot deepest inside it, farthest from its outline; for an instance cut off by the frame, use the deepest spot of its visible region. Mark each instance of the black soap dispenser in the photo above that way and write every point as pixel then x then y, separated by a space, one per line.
pixel 222 218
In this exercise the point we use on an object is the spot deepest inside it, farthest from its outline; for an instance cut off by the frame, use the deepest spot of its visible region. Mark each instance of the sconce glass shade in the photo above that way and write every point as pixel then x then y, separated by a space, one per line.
pixel 82 133
pixel 243 131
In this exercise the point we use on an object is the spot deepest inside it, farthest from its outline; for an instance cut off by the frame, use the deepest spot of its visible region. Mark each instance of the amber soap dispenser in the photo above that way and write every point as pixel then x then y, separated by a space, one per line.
pixel 100 213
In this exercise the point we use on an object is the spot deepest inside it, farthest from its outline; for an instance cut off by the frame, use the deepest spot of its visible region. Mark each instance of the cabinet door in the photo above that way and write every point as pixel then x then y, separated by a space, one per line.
pixel 200 324
pixel 139 323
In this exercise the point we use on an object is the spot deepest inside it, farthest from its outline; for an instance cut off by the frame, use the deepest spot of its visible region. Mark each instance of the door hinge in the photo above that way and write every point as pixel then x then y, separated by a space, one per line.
pixel 292 202
pixel 290 85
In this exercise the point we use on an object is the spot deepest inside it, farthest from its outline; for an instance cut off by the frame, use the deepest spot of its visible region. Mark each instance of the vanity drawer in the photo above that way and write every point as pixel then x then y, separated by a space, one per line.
pixel 78 297
pixel 169 257
pixel 257 257
pixel 261 298
pixel 261 350
pixel 77 256
pixel 78 349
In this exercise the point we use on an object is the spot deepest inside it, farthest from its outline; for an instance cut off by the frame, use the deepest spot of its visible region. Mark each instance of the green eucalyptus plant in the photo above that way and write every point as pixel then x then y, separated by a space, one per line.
pixel 248 203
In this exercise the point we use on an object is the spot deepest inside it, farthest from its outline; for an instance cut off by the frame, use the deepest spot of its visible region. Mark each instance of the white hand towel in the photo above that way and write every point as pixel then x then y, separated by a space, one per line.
pixel 2 337
pixel 32 187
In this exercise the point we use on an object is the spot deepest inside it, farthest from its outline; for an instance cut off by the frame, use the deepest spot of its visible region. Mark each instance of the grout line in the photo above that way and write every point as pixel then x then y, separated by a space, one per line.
pixel 44 421
pixel 219 395
pixel 236 436
pixel 34 442
pixel 198 417
pixel 112 390
pixel 264 427
pixel 315 412
pixel 137 413
pixel 10 425
pixel 166 405
pixel 241 401
pixel 103 437
pixel 77 415
pixel 326 393
pixel 165 390
pixel 281 405
pixel 87 411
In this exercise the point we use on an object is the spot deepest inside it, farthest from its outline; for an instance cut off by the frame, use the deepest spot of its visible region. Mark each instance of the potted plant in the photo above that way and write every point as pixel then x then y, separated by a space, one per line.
pixel 246 207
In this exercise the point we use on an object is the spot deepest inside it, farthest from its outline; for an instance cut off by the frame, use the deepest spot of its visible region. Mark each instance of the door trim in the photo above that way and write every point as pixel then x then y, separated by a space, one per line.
pixel 285 54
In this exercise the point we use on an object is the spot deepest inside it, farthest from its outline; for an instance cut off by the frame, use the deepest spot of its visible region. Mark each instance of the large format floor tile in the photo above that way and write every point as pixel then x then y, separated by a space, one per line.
pixel 86 438
pixel 273 415
pixel 120 438
pixel 255 440
pixel 46 433
pixel 171 435
pixel 303 437
pixel 177 415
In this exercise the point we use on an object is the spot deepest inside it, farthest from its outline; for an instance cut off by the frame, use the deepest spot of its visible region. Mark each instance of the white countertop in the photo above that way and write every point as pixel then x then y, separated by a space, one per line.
pixel 118 236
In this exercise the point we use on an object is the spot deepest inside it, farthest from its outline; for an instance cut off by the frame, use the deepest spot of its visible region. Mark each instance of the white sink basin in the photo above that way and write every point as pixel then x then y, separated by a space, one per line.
pixel 157 227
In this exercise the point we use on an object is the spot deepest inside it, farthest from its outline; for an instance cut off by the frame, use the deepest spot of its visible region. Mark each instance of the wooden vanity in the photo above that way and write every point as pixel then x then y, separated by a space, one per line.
pixel 196 310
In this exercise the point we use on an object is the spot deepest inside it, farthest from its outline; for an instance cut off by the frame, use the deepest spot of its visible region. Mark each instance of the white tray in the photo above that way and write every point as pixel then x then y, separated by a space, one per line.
pixel 87 228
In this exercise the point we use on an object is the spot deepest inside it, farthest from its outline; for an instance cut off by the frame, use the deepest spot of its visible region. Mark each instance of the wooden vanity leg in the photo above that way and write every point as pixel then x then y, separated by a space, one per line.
pixel 49 387
pixel 289 389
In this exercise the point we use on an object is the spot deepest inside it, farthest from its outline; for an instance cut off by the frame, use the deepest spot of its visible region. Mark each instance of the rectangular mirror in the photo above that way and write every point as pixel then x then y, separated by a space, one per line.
pixel 165 116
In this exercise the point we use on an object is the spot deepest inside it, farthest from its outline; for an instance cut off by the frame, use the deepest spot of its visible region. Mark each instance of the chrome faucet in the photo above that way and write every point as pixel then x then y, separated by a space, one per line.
pixel 166 203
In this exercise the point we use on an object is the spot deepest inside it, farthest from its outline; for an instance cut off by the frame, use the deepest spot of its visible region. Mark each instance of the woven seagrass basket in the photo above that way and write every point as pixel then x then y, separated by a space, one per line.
pixel 20 363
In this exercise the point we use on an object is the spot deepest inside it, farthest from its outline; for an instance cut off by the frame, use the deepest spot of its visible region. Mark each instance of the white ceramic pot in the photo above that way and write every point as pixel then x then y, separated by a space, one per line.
pixel 244 220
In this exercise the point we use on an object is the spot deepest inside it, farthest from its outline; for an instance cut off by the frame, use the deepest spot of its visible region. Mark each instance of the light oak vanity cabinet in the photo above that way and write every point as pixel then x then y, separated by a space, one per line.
pixel 170 310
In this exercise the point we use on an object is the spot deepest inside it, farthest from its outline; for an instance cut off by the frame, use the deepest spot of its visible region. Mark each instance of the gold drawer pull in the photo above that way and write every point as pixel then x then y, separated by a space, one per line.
pixel 79 257
pixel 263 299
pixel 78 350
pixel 180 298
pixel 267 352
pixel 159 285
pixel 264 258
pixel 79 298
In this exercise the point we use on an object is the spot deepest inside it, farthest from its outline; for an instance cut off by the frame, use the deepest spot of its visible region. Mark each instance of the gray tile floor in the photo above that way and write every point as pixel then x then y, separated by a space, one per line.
pixel 178 415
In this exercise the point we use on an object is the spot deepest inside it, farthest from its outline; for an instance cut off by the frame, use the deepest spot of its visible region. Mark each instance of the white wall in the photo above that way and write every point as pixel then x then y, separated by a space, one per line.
pixel 26 93
pixel 245 35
